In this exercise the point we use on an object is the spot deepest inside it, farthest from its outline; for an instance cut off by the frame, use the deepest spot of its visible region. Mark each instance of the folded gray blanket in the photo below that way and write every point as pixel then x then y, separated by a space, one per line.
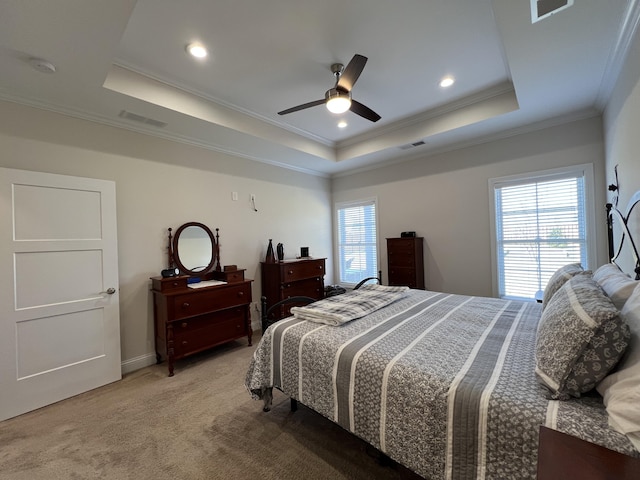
pixel 340 309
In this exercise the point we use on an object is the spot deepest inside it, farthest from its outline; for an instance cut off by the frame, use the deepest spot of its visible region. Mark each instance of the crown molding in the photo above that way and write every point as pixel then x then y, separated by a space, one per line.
pixel 424 117
pixel 150 131
pixel 619 53
pixel 210 98
pixel 480 140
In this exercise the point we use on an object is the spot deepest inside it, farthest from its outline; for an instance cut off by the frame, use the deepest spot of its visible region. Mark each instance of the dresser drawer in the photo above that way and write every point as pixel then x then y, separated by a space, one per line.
pixel 401 258
pixel 203 301
pixel 171 284
pixel 304 269
pixel 232 277
pixel 402 244
pixel 403 276
pixel 229 276
pixel 196 334
pixel 310 287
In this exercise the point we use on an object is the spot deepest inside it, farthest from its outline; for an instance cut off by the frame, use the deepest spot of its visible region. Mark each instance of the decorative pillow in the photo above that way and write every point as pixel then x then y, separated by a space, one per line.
pixel 580 338
pixel 558 279
pixel 621 389
pixel 615 283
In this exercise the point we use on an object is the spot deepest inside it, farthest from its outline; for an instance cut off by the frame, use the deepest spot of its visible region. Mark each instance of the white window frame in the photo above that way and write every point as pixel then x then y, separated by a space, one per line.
pixel 354 203
pixel 586 170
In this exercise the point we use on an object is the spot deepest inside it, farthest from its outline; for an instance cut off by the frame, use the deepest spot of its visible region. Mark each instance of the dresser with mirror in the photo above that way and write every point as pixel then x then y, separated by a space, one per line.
pixel 197 303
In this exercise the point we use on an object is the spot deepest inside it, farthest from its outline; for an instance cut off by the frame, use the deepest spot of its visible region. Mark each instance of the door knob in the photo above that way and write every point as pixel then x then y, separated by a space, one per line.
pixel 110 291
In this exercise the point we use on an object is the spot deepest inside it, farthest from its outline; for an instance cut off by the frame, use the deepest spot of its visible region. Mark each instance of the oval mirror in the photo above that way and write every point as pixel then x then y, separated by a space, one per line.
pixel 194 248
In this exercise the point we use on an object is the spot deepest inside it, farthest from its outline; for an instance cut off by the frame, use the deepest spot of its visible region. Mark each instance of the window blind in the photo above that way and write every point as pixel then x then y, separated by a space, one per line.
pixel 357 241
pixel 540 226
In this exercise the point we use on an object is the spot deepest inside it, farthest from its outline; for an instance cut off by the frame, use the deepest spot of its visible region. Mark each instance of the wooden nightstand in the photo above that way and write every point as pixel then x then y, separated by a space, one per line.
pixel 561 456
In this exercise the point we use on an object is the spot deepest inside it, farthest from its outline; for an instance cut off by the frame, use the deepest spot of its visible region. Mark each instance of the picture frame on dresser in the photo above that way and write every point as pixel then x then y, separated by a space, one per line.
pixel 204 305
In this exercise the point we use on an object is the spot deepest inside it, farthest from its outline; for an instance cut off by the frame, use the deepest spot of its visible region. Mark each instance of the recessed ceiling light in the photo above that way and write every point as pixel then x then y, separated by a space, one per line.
pixel 447 82
pixel 197 50
pixel 342 124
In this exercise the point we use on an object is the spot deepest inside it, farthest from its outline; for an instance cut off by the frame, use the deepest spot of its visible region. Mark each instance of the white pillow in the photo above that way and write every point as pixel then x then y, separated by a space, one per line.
pixel 616 284
pixel 621 389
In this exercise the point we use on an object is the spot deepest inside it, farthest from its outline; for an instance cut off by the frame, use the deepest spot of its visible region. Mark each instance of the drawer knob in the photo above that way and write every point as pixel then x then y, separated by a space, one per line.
pixel 290 272
pixel 184 325
pixel 240 294
pixel 319 267
pixel 185 305
pixel 175 284
pixel 184 342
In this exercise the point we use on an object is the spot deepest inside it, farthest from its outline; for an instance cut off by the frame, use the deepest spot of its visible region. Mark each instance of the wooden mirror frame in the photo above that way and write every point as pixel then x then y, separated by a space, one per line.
pixel 174 255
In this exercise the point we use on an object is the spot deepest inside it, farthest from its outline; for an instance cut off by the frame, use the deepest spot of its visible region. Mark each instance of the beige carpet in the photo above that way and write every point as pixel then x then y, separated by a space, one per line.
pixel 199 424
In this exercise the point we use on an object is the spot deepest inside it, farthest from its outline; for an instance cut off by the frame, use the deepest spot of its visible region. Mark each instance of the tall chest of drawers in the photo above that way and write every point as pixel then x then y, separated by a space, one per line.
pixel 405 261
pixel 190 320
pixel 291 278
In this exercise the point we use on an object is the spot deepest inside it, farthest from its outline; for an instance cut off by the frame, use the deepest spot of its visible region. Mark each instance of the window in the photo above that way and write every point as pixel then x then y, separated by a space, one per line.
pixel 540 225
pixel 357 241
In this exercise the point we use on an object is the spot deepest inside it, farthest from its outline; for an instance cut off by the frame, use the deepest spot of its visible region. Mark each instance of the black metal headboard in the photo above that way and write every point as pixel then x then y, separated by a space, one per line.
pixel 627 225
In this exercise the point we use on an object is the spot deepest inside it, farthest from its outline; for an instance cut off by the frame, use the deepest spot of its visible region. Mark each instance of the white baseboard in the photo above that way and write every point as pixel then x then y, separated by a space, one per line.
pixel 137 363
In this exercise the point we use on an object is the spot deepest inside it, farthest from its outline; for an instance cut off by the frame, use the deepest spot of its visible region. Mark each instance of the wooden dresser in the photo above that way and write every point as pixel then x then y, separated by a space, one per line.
pixel 290 278
pixel 405 261
pixel 190 320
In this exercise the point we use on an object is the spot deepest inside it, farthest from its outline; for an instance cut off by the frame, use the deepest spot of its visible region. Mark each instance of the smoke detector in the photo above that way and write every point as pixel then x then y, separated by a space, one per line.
pixel 42 65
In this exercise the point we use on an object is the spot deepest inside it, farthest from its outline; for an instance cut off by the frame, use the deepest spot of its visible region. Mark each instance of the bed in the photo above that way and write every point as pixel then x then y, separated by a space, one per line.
pixel 455 386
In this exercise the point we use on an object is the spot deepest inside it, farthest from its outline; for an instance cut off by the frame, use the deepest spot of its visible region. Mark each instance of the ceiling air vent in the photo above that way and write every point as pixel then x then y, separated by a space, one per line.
pixel 544 8
pixel 141 119
pixel 412 145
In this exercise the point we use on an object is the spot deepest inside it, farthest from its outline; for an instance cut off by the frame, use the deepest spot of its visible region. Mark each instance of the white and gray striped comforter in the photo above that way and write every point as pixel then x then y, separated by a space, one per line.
pixel 443 384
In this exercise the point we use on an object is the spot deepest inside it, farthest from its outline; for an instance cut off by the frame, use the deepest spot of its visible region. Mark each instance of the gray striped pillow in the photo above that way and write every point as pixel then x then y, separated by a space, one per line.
pixel 580 338
pixel 559 278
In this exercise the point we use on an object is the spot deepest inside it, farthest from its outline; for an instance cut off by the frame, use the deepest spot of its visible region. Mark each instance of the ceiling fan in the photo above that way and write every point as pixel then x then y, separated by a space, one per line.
pixel 338 99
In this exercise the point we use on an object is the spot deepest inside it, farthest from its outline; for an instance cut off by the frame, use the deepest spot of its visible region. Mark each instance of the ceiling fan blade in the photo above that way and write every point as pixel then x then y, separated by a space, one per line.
pixel 364 111
pixel 351 72
pixel 302 107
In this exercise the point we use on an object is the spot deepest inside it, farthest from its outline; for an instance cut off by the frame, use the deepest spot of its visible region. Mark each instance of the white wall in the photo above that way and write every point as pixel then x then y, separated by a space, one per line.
pixel 622 127
pixel 622 142
pixel 445 198
pixel 161 184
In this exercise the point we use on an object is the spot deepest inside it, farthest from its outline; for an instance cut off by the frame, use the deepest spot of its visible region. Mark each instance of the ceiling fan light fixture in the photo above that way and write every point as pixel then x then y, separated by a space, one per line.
pixel 447 81
pixel 197 50
pixel 337 101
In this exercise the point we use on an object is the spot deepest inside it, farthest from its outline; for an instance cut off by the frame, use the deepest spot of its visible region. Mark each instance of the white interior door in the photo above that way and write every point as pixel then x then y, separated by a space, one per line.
pixel 59 312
